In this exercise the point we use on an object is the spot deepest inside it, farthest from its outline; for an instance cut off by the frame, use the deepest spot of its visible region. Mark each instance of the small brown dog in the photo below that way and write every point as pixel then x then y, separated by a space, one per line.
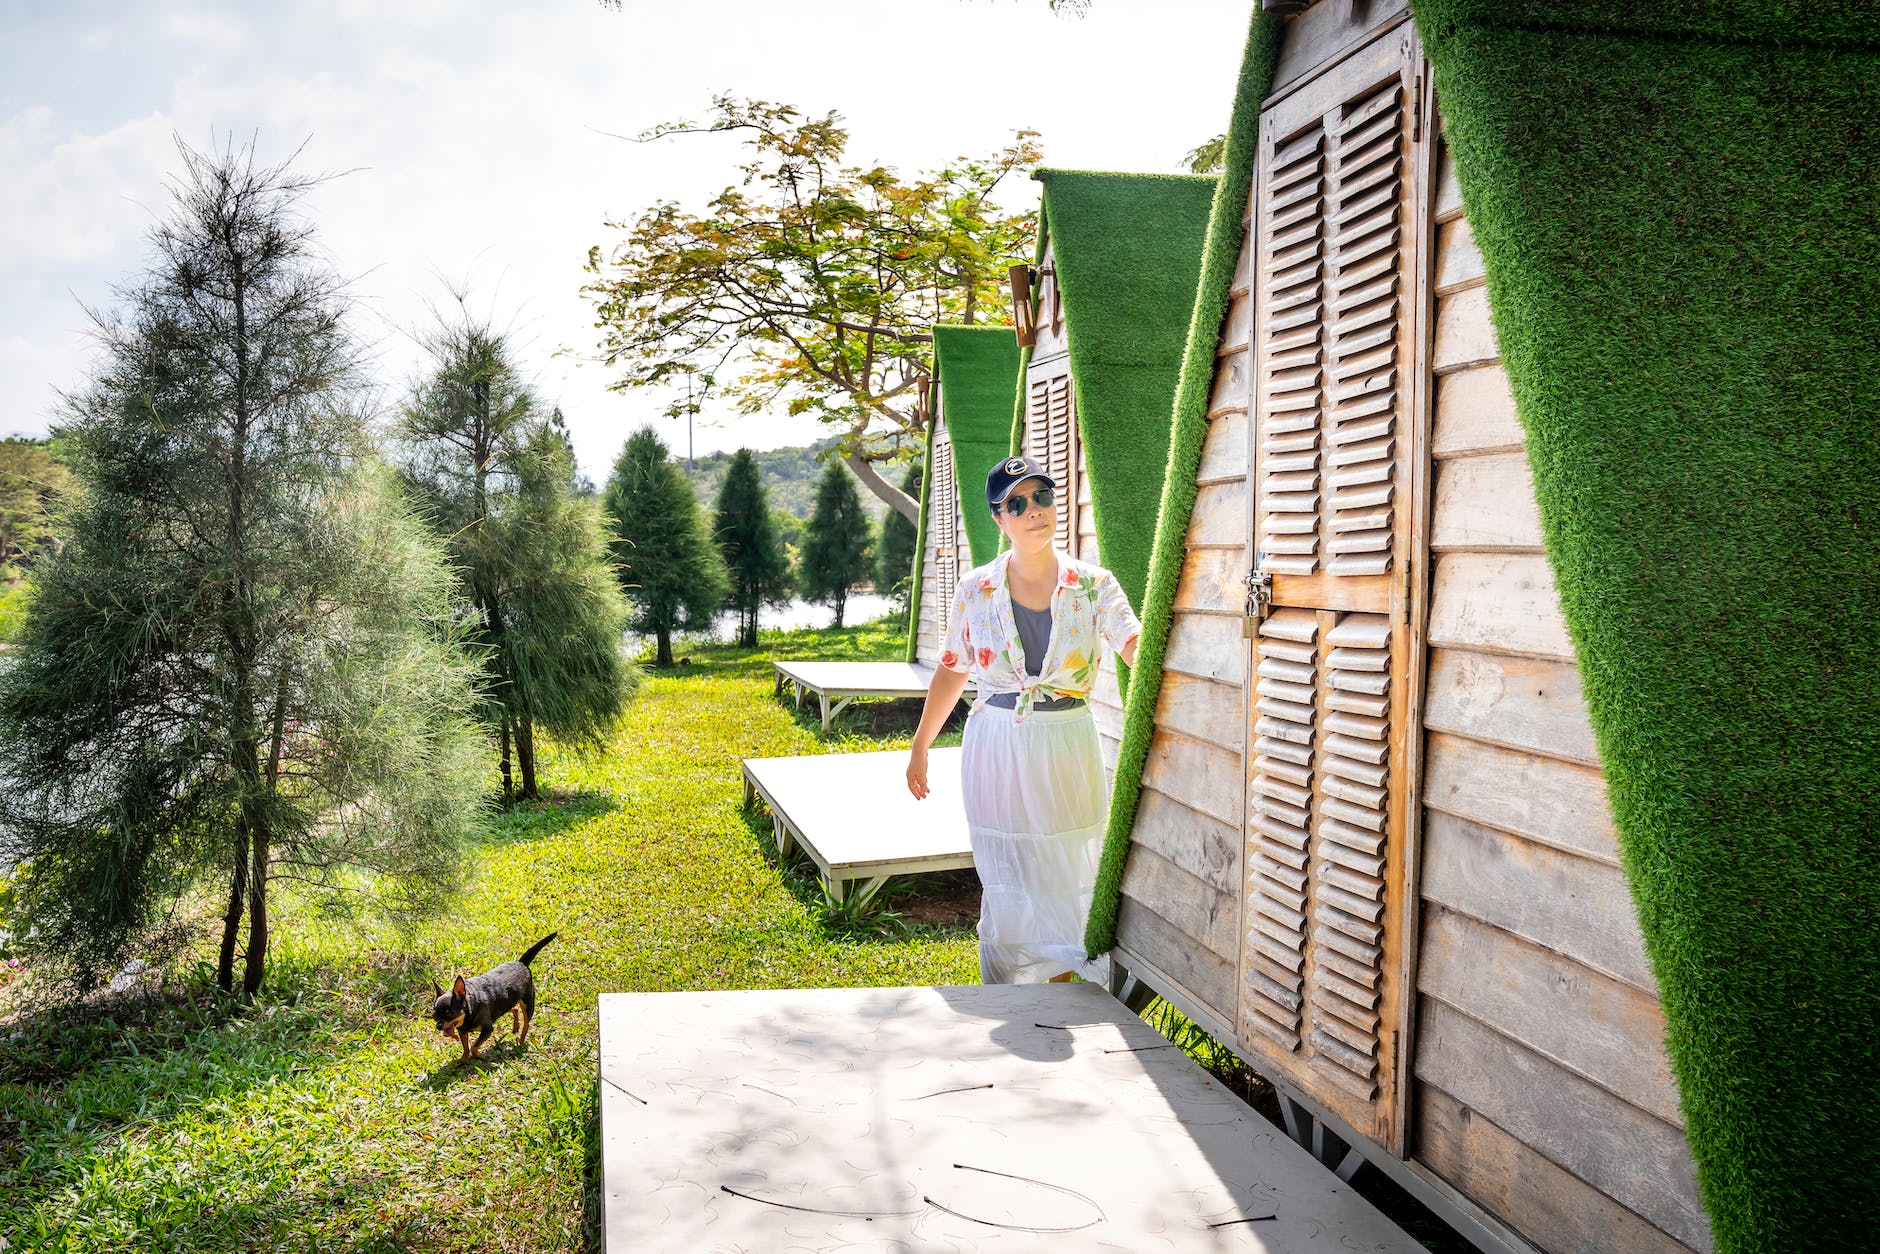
pixel 481 1000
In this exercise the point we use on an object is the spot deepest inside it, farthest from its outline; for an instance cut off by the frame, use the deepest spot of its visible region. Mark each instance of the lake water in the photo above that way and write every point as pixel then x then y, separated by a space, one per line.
pixel 861 607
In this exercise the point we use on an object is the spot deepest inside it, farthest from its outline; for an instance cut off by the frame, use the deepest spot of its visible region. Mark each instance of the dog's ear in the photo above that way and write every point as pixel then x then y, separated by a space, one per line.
pixel 438 988
pixel 458 989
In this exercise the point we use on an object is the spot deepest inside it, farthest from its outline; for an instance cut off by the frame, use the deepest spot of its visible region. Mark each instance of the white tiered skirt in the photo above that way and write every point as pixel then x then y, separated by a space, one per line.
pixel 1036 808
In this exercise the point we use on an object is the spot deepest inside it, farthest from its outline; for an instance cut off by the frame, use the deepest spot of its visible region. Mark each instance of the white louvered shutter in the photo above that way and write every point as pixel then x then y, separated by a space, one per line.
pixel 944 520
pixel 1050 436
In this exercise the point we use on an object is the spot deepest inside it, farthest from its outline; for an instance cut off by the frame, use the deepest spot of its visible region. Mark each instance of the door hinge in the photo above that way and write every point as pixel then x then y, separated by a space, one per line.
pixel 1416 107
pixel 1401 602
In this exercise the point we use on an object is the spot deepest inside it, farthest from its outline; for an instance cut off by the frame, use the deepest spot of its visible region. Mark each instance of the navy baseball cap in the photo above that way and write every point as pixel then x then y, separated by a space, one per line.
pixel 1009 473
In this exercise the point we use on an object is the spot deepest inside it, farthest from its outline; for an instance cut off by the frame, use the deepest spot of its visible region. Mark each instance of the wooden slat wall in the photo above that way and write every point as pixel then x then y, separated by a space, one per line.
pixel 1542 1089
pixel 1180 911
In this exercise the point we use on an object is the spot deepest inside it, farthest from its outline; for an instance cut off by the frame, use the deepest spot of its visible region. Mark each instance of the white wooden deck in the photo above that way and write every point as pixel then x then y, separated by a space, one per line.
pixel 1010 1117
pixel 852 814
pixel 835 684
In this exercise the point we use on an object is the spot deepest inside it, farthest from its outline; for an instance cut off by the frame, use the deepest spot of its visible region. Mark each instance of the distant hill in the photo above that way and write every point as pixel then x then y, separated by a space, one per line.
pixel 790 476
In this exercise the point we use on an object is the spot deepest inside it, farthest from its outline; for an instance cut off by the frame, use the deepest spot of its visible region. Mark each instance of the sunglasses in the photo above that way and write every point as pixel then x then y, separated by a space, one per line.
pixel 1044 498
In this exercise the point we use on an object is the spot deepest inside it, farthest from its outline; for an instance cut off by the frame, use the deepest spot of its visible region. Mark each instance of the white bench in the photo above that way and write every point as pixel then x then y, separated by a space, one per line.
pixel 852 814
pixel 835 684
pixel 1027 1117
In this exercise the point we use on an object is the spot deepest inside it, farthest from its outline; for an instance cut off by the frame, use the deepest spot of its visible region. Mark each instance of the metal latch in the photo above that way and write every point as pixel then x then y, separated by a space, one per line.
pixel 1259 584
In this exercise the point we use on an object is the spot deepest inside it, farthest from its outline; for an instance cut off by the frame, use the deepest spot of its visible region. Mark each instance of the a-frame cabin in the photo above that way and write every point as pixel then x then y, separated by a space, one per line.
pixel 973 390
pixel 1119 256
pixel 1373 845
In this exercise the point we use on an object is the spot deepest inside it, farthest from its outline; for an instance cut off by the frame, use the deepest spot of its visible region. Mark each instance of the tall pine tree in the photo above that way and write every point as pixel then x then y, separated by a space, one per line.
pixel 753 552
pixel 894 552
pixel 494 471
pixel 837 542
pixel 671 570
pixel 241 666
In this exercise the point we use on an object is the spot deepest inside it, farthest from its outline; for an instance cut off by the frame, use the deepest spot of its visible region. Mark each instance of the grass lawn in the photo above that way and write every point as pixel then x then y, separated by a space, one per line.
pixel 329 1116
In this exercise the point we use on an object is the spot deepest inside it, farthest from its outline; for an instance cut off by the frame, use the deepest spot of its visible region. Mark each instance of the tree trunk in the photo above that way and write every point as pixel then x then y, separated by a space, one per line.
pixel 841 602
pixel 905 505
pixel 257 956
pixel 525 756
pixel 747 627
pixel 232 918
pixel 509 788
pixel 664 656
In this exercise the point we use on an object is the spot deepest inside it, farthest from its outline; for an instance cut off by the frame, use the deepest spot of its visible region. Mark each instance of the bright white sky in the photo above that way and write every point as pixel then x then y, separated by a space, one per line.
pixel 473 133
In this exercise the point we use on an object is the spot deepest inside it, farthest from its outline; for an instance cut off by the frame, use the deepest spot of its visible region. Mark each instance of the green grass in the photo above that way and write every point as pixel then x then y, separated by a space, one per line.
pixel 328 1115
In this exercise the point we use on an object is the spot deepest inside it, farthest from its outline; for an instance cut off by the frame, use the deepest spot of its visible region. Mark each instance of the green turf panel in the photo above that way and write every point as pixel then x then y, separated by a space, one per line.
pixel 1846 24
pixel 1220 253
pixel 1682 242
pixel 1127 248
pixel 977 369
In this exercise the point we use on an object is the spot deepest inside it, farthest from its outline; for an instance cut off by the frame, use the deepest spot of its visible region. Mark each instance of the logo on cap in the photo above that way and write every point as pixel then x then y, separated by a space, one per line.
pixel 1015 466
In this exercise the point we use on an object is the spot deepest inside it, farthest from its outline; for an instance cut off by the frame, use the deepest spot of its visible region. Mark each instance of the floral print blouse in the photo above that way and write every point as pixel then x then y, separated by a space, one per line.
pixel 982 637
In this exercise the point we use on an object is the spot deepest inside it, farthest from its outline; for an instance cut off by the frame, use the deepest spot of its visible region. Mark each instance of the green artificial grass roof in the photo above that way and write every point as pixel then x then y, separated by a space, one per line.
pixel 1127 248
pixel 1682 243
pixel 1823 23
pixel 975 385
pixel 976 369
pixel 1220 252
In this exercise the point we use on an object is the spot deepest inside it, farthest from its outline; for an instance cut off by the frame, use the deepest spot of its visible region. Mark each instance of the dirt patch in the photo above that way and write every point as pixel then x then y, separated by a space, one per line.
pixel 944 899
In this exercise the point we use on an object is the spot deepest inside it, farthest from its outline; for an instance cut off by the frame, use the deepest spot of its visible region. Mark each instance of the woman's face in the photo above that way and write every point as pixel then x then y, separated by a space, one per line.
pixel 1032 530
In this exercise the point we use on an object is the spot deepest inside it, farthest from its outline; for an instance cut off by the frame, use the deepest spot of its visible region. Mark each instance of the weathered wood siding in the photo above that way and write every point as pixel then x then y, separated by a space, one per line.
pixel 1541 1086
pixel 1179 919
pixel 944 555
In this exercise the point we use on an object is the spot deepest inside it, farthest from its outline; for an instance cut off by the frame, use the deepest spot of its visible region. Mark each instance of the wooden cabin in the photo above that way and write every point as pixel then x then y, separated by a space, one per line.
pixel 1118 259
pixel 971 400
pixel 1372 848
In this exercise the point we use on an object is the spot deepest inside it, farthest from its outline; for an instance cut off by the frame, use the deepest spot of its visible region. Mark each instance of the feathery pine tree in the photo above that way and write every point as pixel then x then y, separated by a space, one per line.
pixel 894 551
pixel 665 557
pixel 836 542
pixel 495 473
pixel 241 667
pixel 753 552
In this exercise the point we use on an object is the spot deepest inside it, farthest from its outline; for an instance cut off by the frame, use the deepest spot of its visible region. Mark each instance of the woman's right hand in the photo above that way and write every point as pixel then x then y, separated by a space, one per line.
pixel 917 773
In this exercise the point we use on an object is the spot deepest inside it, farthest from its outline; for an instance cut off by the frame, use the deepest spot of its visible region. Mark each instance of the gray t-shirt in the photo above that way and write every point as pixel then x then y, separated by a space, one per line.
pixel 1034 635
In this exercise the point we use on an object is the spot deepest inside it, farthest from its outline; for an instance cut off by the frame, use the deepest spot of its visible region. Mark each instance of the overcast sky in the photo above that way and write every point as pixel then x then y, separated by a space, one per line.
pixel 475 136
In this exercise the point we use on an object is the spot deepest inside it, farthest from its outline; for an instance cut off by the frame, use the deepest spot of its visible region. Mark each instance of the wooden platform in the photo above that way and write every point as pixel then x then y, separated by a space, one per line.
pixel 1009 1117
pixel 852 814
pixel 835 684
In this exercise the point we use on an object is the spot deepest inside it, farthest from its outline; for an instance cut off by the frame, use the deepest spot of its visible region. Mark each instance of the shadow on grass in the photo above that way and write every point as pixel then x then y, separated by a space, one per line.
pixel 91 1066
pixel 454 1071
pixel 873 719
pixel 525 821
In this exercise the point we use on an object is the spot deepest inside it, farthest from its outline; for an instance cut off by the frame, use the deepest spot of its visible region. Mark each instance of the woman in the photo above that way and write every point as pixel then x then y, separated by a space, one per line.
pixel 1028 625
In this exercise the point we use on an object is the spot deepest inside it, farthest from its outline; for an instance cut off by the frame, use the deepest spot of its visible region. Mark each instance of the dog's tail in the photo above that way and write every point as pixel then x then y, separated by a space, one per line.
pixel 536 948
